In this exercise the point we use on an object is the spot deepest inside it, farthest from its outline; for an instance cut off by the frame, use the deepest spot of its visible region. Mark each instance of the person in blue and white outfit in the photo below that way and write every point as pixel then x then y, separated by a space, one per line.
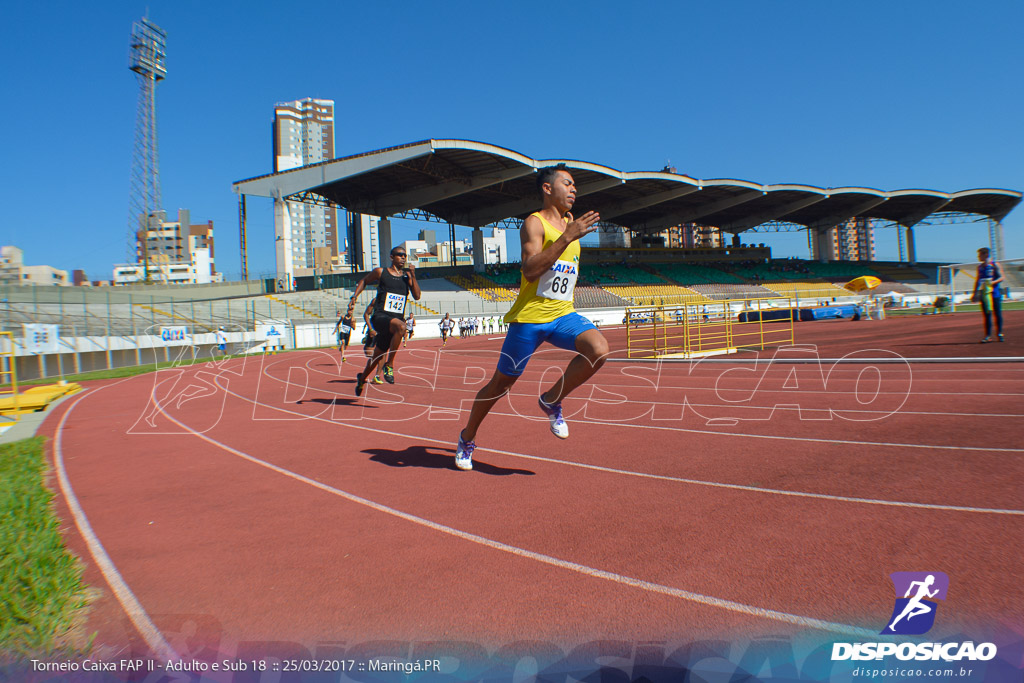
pixel 988 292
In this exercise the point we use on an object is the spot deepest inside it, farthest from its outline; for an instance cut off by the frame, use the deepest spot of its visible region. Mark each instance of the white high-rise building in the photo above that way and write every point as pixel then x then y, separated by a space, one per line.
pixel 363 247
pixel 303 135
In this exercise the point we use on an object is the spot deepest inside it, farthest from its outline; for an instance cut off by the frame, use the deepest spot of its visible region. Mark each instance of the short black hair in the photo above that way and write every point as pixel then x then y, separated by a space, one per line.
pixel 394 249
pixel 547 175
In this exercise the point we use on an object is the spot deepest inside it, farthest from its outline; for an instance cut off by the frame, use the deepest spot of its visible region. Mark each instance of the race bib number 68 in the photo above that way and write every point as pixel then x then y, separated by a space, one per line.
pixel 559 282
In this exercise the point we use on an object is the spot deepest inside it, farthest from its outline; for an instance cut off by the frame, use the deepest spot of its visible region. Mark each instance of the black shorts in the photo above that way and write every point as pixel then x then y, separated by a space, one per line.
pixel 382 325
pixel 343 338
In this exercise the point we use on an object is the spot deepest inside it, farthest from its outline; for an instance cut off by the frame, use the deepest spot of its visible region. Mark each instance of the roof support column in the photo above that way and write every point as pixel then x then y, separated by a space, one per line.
pixel 384 241
pixel 995 239
pixel 821 243
pixel 478 250
pixel 283 240
pixel 451 244
pixel 911 247
pixel 242 238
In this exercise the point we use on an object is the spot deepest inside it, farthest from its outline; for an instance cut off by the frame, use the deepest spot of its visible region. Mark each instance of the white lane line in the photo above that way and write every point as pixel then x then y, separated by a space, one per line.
pixel 832 361
pixel 807 622
pixel 643 475
pixel 131 606
pixel 737 405
pixel 762 392
pixel 808 439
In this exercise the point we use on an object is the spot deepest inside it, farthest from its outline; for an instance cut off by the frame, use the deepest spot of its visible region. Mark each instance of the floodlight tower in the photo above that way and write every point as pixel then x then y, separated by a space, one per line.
pixel 147 60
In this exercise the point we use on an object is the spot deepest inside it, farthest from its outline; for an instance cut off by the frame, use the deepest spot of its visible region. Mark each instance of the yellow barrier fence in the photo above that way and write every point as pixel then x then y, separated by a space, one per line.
pixel 694 330
pixel 8 373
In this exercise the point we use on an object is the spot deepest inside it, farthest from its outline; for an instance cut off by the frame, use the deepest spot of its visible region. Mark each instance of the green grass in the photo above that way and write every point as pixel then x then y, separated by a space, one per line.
pixel 42 596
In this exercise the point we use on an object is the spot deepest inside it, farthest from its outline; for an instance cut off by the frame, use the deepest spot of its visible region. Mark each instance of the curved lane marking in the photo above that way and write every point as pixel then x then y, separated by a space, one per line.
pixel 129 603
pixel 644 475
pixel 806 622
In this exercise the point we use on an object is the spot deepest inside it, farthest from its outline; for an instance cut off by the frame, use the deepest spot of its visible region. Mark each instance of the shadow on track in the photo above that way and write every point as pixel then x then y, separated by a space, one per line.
pixel 420 456
pixel 336 401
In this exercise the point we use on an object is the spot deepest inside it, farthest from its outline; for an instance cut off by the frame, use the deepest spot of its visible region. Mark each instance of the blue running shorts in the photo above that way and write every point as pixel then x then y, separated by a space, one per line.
pixel 524 338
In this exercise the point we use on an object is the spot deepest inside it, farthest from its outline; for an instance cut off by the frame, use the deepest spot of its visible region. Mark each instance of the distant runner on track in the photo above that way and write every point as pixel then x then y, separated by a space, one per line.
pixel 343 330
pixel 446 325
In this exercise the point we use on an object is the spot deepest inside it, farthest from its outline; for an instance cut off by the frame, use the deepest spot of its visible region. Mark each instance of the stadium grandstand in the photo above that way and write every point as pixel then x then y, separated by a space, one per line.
pixel 112 327
pixel 473 184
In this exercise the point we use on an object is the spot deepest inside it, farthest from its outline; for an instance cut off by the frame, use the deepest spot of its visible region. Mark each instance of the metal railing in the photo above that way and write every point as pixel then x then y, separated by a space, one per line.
pixel 692 330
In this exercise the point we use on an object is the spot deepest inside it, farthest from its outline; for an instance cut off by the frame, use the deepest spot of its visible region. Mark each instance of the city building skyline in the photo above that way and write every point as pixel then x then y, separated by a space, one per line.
pixel 852 240
pixel 172 252
pixel 303 134
pixel 427 251
pixel 14 271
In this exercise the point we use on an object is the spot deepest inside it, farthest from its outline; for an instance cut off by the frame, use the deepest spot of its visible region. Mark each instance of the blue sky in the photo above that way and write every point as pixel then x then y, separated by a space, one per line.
pixel 889 95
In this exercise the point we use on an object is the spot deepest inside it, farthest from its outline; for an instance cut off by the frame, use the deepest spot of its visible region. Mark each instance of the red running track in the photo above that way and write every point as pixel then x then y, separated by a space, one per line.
pixel 258 499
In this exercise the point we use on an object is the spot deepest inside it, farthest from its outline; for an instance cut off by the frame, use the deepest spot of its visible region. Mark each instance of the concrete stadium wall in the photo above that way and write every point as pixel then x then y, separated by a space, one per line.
pixel 138 293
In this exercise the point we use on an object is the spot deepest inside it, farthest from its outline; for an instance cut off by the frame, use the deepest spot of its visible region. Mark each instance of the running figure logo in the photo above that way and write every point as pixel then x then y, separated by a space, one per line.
pixel 914 613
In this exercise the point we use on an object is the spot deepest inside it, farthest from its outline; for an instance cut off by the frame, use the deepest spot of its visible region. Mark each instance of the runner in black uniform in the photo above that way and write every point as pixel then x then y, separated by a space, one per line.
pixel 370 341
pixel 368 332
pixel 393 287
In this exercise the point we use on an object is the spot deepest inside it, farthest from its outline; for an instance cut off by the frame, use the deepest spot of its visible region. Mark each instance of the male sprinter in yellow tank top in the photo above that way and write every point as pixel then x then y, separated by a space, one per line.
pixel 543 311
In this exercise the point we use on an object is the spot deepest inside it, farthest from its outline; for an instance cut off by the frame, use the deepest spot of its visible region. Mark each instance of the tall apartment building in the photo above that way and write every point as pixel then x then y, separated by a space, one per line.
pixel 853 240
pixel 362 247
pixel 687 236
pixel 856 240
pixel 303 135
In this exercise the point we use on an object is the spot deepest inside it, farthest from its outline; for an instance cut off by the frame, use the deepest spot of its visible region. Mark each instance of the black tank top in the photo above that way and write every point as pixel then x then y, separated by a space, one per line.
pixel 392 294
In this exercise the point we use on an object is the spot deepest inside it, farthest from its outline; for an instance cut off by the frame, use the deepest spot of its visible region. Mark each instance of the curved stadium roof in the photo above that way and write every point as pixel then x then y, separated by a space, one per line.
pixel 476 184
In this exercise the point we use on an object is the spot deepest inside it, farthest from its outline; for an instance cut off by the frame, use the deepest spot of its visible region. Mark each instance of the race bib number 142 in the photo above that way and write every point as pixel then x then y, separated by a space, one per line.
pixel 395 303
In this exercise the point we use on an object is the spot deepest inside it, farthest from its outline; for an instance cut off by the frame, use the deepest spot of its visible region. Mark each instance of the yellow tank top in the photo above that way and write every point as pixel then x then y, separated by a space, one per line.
pixel 549 296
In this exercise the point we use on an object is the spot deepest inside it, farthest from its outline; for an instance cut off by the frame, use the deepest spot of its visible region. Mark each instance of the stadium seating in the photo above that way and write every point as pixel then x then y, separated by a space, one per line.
pixel 721 292
pixel 662 294
pixel 693 274
pixel 601 275
pixel 899 273
pixel 838 270
pixel 505 278
pixel 595 297
pixel 483 288
pixel 807 290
